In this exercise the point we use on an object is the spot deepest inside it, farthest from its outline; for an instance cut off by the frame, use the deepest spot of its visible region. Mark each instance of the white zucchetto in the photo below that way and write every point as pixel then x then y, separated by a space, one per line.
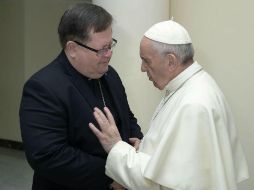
pixel 168 32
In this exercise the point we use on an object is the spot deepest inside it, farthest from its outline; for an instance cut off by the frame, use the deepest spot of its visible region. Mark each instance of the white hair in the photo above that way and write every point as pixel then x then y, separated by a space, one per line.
pixel 184 52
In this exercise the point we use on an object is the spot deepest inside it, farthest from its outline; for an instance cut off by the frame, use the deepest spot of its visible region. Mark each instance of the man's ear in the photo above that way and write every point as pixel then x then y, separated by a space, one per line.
pixel 172 61
pixel 71 49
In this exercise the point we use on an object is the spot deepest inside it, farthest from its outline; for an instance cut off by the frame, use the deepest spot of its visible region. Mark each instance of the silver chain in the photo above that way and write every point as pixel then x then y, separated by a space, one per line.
pixel 102 96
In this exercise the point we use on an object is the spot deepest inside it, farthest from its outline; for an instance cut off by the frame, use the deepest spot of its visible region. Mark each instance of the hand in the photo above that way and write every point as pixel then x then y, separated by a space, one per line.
pixel 116 186
pixel 135 142
pixel 109 134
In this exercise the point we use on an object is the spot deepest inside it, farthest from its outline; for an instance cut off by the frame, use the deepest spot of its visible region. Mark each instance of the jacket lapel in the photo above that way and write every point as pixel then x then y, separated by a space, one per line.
pixel 116 96
pixel 79 82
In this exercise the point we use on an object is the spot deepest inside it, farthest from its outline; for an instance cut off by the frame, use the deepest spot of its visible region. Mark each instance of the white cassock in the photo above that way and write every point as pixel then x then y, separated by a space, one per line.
pixel 191 143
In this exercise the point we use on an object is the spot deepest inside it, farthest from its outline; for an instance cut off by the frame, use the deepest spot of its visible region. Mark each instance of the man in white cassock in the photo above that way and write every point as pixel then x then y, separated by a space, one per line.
pixel 192 142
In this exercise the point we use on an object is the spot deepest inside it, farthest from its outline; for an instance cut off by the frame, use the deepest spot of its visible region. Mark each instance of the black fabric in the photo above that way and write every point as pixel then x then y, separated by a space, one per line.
pixel 95 88
pixel 56 107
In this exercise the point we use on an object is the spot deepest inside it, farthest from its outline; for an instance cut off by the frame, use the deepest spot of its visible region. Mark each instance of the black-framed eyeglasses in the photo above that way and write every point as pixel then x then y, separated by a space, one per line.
pixel 100 52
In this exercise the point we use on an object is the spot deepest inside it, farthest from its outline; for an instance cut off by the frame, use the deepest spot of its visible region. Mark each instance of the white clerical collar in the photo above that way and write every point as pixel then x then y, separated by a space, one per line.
pixel 181 78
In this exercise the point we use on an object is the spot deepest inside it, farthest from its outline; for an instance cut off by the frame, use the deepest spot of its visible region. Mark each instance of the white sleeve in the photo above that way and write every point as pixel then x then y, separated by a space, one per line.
pixel 126 166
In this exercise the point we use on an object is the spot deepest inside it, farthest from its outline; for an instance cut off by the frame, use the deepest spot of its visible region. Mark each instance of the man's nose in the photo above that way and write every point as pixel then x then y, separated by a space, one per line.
pixel 108 53
pixel 143 68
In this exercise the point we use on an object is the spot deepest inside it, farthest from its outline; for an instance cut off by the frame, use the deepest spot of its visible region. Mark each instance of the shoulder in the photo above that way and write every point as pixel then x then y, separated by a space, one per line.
pixel 112 73
pixel 50 72
pixel 111 70
pixel 51 76
pixel 203 91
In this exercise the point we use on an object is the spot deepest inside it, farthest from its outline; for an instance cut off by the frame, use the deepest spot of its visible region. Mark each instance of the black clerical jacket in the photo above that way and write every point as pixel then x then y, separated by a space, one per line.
pixel 55 110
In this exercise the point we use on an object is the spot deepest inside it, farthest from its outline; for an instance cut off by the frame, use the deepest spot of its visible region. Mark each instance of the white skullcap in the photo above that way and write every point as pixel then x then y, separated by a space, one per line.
pixel 168 32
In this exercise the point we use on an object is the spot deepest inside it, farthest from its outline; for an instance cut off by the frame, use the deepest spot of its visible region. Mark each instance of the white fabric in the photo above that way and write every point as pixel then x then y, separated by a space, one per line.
pixel 126 166
pixel 191 144
pixel 168 32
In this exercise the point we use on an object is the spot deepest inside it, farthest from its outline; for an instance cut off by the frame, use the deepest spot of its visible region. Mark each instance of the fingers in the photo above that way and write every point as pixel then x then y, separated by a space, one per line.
pixel 96 131
pixel 135 142
pixel 104 122
pixel 108 133
pixel 116 186
pixel 109 116
pixel 101 118
pixel 132 141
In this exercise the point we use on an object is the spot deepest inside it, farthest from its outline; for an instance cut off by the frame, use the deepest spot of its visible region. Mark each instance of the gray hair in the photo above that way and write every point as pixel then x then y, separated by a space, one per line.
pixel 79 21
pixel 184 52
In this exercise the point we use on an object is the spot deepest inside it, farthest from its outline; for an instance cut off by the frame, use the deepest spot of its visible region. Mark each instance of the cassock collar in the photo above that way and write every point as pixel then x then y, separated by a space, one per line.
pixel 180 79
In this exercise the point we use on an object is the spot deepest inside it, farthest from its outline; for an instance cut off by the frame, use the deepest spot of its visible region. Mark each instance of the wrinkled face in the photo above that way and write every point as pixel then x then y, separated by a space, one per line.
pixel 155 65
pixel 87 62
